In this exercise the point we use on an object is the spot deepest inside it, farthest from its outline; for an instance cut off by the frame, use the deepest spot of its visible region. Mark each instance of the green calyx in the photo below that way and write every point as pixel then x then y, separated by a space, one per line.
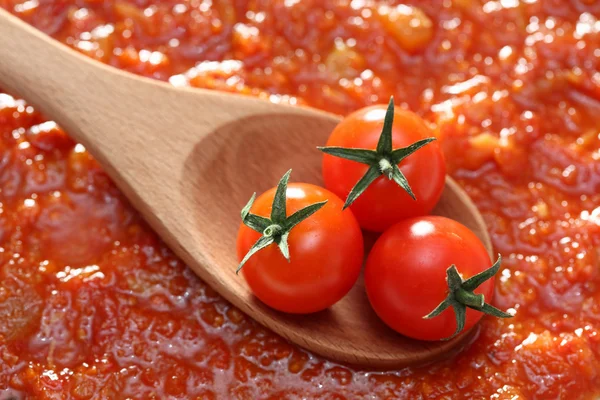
pixel 278 227
pixel 381 161
pixel 461 295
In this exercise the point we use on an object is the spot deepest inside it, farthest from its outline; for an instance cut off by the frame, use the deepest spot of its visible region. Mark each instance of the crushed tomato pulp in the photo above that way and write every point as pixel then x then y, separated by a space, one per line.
pixel 94 306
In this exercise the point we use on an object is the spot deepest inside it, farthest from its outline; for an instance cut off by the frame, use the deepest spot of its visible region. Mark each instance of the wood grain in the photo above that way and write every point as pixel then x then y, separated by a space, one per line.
pixel 189 159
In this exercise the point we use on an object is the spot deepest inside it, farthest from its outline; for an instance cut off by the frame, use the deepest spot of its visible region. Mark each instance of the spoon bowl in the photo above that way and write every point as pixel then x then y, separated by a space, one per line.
pixel 349 331
pixel 189 159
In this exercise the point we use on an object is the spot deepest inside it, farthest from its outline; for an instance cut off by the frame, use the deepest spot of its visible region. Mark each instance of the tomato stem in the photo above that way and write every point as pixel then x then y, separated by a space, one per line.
pixel 469 298
pixel 461 295
pixel 273 230
pixel 382 161
pixel 277 228
pixel 386 168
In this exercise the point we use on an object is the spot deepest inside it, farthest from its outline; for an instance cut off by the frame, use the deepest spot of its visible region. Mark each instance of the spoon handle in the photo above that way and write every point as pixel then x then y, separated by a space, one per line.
pixel 93 102
pixel 35 67
pixel 106 109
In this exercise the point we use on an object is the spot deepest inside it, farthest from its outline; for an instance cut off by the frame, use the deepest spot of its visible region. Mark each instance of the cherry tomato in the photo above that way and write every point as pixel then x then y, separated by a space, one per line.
pixel 405 275
pixel 384 202
pixel 326 253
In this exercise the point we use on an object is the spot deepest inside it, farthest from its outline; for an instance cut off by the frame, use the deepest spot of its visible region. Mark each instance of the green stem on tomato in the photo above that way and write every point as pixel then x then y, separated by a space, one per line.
pixel 382 161
pixel 277 228
pixel 386 168
pixel 272 230
pixel 469 298
pixel 461 296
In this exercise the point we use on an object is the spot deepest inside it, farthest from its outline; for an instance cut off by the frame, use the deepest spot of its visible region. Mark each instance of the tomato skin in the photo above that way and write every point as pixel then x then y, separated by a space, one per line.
pixel 405 274
pixel 326 252
pixel 384 203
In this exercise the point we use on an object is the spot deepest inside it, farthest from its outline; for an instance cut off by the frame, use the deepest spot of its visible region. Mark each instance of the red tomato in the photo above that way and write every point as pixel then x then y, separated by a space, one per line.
pixel 405 275
pixel 384 202
pixel 326 253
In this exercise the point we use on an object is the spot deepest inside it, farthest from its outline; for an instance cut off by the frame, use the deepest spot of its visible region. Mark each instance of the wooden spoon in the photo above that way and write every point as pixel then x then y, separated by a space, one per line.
pixel 189 159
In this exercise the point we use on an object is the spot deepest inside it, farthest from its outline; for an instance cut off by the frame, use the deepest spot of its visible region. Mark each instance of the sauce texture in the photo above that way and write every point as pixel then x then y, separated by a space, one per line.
pixel 94 306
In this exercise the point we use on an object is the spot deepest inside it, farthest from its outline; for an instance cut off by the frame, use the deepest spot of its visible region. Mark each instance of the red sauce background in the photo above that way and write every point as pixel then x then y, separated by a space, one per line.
pixel 94 306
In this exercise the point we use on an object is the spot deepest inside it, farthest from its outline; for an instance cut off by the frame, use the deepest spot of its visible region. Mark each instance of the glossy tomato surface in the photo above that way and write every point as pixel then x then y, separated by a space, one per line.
pixel 405 275
pixel 384 203
pixel 326 252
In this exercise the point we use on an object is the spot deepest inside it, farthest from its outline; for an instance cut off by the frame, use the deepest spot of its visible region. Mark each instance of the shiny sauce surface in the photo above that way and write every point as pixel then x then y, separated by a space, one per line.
pixel 94 306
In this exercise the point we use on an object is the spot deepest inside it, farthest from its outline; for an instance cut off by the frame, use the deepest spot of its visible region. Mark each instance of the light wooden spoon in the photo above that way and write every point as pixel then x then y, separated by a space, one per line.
pixel 189 159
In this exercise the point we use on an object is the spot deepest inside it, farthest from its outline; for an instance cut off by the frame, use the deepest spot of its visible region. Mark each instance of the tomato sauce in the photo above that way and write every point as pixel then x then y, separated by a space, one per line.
pixel 94 306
